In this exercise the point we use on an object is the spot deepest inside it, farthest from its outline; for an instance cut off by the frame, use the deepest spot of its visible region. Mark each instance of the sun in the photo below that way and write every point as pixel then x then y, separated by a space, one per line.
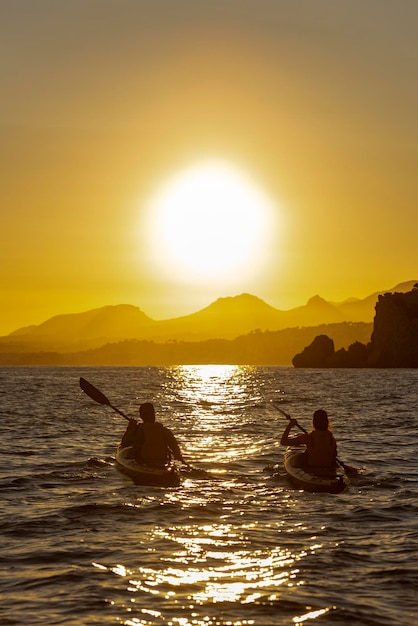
pixel 209 223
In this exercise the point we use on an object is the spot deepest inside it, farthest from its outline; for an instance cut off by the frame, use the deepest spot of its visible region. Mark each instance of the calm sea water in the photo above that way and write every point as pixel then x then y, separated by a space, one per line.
pixel 81 544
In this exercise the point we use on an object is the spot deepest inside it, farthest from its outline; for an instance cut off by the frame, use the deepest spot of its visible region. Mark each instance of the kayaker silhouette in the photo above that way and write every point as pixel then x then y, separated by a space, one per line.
pixel 152 443
pixel 321 447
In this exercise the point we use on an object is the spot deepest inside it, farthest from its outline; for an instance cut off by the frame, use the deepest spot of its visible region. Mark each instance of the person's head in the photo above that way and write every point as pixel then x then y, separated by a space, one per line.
pixel 146 412
pixel 320 420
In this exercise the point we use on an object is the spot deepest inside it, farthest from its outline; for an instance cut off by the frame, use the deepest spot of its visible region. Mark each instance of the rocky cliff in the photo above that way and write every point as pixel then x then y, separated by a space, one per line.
pixel 394 340
pixel 393 343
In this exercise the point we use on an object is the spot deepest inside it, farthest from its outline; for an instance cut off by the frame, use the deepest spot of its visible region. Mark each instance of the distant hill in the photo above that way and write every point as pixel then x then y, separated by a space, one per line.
pixel 107 322
pixel 359 310
pixel 81 330
pixel 255 348
pixel 226 318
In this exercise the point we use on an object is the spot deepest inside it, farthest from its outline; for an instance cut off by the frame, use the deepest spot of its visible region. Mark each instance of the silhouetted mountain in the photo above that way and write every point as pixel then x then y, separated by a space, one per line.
pixel 223 319
pixel 88 329
pixel 226 318
pixel 316 311
pixel 364 310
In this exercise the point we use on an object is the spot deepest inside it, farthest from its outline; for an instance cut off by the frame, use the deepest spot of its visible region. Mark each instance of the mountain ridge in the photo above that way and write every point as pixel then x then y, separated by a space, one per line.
pixel 225 318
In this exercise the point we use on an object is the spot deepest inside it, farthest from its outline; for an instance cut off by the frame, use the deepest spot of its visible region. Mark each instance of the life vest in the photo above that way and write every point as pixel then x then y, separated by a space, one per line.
pixel 321 450
pixel 154 446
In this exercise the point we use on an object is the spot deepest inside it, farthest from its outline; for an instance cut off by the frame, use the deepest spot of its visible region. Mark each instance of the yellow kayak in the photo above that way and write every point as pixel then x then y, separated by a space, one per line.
pixel 302 477
pixel 167 476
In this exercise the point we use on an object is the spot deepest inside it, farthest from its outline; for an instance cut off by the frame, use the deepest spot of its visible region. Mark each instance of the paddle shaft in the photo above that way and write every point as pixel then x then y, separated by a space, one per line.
pixel 289 417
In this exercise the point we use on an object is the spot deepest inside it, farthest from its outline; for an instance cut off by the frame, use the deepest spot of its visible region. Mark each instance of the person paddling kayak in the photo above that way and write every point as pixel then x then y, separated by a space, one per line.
pixel 152 443
pixel 321 447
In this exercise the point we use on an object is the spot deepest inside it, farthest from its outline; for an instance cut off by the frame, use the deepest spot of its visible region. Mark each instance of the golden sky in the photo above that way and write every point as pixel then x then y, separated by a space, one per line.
pixel 306 111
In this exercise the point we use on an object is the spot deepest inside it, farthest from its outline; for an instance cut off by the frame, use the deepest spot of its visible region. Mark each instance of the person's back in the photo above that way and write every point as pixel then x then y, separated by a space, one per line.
pixel 321 449
pixel 152 443
pixel 155 449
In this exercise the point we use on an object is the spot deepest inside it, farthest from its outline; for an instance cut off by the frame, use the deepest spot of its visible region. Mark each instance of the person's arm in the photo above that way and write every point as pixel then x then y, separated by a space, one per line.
pixel 288 441
pixel 127 437
pixel 335 451
pixel 174 446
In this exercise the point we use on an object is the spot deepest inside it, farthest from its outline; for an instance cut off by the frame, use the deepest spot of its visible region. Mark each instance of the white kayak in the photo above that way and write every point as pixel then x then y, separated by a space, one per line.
pixel 302 477
pixel 167 476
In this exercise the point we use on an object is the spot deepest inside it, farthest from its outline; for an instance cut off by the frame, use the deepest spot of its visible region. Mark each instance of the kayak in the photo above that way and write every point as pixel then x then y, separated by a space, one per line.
pixel 167 476
pixel 303 478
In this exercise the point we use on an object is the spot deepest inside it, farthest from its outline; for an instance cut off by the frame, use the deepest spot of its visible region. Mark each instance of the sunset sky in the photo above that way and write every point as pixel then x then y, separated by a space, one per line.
pixel 164 153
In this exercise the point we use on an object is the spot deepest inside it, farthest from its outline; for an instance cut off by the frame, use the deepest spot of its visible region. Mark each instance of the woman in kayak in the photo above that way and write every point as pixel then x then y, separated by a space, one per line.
pixel 321 447
pixel 152 443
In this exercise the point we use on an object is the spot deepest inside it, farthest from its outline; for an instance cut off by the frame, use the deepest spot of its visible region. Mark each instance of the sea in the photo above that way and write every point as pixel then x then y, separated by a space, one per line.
pixel 233 545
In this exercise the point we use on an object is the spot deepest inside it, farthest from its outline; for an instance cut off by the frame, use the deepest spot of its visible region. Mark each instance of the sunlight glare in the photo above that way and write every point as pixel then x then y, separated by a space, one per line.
pixel 209 223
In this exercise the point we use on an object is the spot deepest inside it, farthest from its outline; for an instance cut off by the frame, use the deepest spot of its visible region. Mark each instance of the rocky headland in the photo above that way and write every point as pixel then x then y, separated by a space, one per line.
pixel 393 342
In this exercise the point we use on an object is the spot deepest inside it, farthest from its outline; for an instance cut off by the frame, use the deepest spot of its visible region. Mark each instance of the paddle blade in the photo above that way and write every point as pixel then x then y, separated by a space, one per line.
pixel 349 469
pixel 93 392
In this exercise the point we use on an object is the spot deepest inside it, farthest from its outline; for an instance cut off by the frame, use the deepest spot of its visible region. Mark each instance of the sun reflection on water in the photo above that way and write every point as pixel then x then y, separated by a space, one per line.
pixel 217 405
pixel 238 577
pixel 213 564
pixel 310 615
pixel 218 385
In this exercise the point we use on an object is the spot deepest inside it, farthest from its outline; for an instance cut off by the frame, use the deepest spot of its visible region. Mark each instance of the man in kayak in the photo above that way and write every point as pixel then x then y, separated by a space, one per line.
pixel 321 447
pixel 152 443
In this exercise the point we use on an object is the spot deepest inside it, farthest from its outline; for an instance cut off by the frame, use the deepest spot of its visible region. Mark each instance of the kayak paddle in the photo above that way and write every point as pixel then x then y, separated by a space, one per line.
pixel 347 468
pixel 98 396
